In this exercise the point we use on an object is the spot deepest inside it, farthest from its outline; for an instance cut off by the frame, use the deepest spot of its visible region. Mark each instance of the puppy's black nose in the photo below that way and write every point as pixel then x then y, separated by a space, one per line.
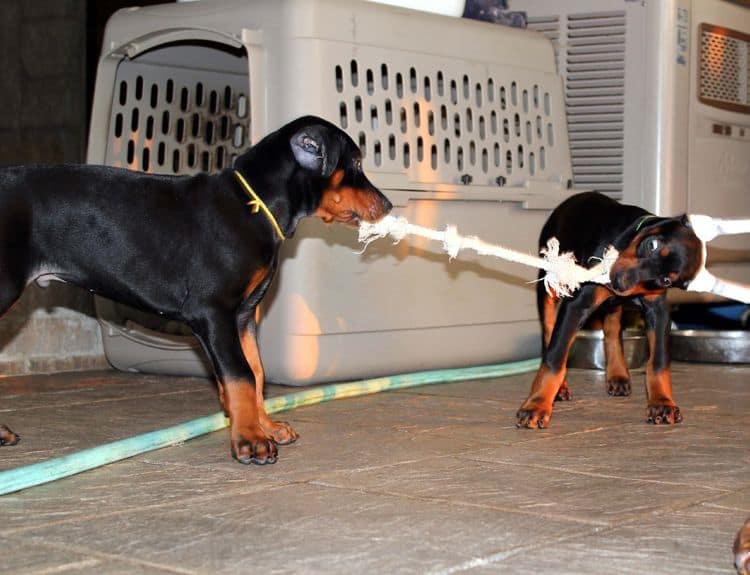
pixel 616 282
pixel 387 205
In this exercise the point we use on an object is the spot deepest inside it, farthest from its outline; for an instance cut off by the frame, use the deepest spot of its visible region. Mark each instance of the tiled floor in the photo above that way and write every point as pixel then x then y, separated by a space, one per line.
pixel 431 480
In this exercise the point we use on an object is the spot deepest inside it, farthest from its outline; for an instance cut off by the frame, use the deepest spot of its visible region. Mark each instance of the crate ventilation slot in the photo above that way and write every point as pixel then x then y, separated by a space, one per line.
pixel 441 127
pixel 591 57
pixel 165 120
pixel 724 68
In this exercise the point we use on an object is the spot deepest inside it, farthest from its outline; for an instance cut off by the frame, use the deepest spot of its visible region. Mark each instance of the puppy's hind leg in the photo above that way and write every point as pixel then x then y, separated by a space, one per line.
pixel 10 291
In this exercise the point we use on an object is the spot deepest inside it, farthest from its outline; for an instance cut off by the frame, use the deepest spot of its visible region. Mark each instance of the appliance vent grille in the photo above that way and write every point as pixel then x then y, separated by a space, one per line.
pixel 724 68
pixel 591 56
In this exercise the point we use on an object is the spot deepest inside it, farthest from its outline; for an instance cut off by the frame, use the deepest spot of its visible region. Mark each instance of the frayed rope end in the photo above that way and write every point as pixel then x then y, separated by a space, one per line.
pixel 563 276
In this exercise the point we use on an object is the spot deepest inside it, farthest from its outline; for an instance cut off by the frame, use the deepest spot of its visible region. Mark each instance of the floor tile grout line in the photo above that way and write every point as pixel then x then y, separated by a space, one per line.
pixel 323 474
pixel 500 556
pixel 684 504
pixel 101 555
pixel 109 400
pixel 120 512
pixel 476 456
pixel 601 475
pixel 321 482
pixel 452 455
pixel 64 567
pixel 592 527
pixel 467 504
pixel 681 506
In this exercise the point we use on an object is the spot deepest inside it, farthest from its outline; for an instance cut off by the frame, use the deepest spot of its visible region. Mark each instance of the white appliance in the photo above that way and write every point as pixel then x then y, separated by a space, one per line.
pixel 658 103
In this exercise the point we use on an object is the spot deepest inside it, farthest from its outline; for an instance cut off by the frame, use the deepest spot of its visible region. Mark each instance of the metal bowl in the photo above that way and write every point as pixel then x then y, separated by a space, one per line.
pixel 710 346
pixel 587 351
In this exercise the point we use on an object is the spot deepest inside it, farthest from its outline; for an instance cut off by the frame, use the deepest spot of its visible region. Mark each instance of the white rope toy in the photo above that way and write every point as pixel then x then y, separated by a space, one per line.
pixel 707 228
pixel 563 275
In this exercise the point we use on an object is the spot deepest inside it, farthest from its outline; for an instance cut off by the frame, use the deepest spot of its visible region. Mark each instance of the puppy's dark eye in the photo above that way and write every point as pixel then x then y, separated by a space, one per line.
pixel 654 244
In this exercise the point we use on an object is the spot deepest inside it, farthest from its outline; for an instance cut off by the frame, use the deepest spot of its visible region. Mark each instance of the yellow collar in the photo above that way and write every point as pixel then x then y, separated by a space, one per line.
pixel 256 203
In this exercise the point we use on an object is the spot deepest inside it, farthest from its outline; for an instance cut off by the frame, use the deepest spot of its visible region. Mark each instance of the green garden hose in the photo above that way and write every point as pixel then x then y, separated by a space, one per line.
pixel 46 471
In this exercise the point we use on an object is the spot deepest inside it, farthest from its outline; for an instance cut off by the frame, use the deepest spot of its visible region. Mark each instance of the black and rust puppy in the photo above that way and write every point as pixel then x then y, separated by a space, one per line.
pixel 193 249
pixel 654 254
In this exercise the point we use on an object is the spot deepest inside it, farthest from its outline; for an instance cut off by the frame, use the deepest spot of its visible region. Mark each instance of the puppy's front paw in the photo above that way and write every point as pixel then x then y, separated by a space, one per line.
pixel 281 432
pixel 7 436
pixel 619 386
pixel 663 414
pixel 532 415
pixel 255 448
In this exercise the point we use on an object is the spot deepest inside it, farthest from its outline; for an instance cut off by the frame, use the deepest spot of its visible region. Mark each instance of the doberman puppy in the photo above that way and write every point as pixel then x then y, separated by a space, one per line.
pixel 742 550
pixel 192 249
pixel 654 254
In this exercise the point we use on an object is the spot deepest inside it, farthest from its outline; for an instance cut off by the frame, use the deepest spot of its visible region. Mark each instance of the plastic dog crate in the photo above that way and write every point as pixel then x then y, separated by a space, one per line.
pixel 460 122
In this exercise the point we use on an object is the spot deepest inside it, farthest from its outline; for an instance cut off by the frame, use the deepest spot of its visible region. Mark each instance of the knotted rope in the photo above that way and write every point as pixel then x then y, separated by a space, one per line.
pixel 563 275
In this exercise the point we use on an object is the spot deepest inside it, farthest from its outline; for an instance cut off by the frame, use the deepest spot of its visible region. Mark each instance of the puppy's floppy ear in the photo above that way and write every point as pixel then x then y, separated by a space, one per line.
pixel 313 150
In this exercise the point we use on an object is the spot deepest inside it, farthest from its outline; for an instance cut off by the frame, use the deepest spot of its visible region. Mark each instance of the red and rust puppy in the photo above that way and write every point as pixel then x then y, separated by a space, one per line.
pixel 654 254
pixel 189 248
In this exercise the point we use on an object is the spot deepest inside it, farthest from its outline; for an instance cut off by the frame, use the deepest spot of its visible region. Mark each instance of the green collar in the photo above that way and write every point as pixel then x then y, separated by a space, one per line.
pixel 642 220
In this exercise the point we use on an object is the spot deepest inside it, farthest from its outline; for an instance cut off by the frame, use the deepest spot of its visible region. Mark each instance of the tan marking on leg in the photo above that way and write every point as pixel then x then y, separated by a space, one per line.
pixel 222 397
pixel 549 317
pixel 550 308
pixel 250 442
pixel 661 406
pixel 537 409
pixel 617 374
pixel 255 280
pixel 658 385
pixel 252 356
pixel 280 431
pixel 612 328
pixel 240 402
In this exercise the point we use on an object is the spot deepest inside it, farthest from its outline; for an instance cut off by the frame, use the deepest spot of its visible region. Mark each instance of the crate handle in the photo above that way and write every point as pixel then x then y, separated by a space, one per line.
pixel 149 41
